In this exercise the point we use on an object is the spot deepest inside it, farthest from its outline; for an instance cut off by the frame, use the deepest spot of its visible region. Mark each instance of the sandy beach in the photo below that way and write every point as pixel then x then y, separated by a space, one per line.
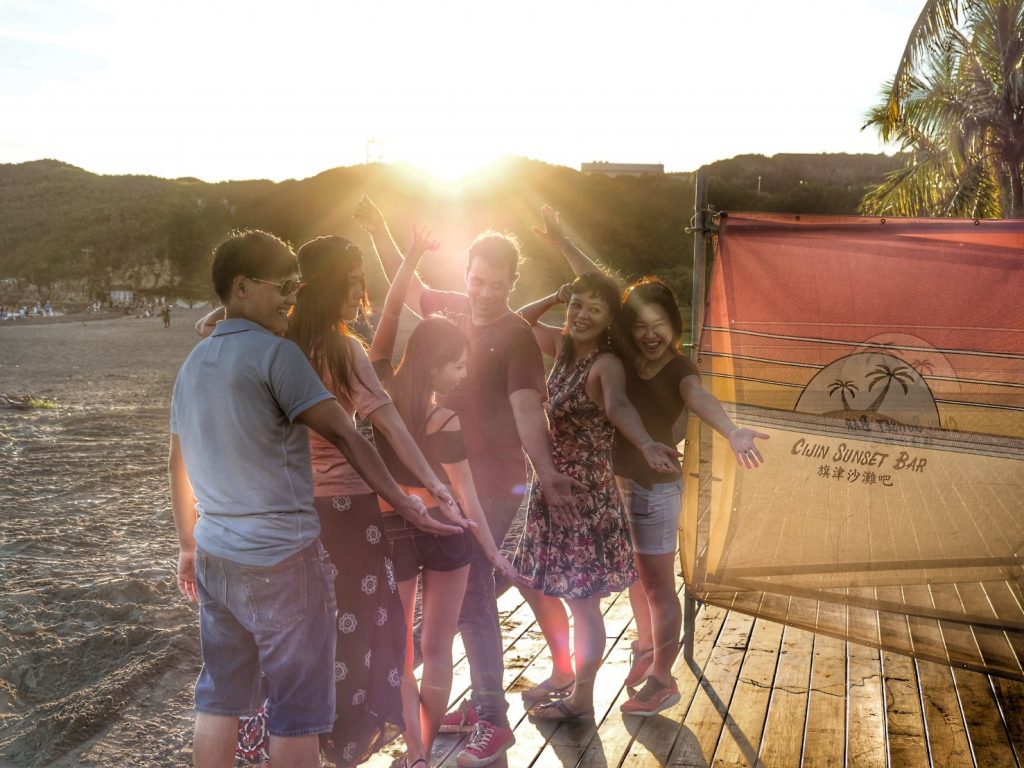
pixel 98 651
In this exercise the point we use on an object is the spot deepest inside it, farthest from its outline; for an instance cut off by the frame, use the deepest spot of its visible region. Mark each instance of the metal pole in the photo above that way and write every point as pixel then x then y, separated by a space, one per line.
pixel 700 204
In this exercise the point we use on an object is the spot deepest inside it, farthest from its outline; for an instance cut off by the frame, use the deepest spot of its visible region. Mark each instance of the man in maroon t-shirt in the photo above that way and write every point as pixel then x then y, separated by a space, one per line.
pixel 500 407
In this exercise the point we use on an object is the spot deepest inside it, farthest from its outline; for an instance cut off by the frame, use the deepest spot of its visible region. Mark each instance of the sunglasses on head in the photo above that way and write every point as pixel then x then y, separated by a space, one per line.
pixel 286 288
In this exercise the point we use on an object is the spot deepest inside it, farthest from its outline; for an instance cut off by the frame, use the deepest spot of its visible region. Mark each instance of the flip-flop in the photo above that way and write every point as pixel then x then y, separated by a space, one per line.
pixel 545 691
pixel 559 712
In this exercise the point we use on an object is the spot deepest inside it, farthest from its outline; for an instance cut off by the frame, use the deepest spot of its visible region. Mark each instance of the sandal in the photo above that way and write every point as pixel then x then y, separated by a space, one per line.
pixel 545 691
pixel 559 712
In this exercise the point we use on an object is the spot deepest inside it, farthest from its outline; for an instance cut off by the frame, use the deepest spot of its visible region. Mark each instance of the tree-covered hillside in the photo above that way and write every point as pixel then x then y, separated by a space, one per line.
pixel 65 231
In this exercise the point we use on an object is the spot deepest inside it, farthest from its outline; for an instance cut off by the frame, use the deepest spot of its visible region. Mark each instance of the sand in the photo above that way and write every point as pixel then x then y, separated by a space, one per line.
pixel 98 651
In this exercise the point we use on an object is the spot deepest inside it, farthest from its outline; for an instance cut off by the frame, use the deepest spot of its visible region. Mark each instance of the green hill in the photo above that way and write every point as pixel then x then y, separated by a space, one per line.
pixel 64 230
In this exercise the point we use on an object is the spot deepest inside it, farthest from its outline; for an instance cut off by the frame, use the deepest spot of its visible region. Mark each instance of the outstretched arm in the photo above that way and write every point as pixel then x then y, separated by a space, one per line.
pixel 706 406
pixel 620 412
pixel 327 419
pixel 465 491
pixel 369 217
pixel 579 262
pixel 383 346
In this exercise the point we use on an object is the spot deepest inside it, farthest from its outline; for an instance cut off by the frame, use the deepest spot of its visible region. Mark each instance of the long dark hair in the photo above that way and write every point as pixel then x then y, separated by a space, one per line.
pixel 603 287
pixel 436 341
pixel 646 291
pixel 315 323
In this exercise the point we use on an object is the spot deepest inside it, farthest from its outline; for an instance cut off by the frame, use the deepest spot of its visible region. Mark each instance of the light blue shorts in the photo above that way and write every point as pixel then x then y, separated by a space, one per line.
pixel 653 515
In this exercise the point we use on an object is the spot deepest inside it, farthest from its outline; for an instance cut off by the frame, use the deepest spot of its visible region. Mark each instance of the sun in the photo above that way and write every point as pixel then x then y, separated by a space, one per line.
pixel 452 167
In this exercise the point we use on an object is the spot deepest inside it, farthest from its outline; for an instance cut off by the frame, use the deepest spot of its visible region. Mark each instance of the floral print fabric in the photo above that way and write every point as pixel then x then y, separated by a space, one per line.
pixel 595 556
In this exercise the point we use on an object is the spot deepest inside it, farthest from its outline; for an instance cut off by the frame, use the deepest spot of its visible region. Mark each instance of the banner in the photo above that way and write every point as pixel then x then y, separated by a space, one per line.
pixel 885 357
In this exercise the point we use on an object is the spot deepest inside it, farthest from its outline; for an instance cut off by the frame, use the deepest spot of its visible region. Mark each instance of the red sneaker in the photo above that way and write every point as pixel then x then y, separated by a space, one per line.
pixel 652 698
pixel 640 663
pixel 461 720
pixel 487 744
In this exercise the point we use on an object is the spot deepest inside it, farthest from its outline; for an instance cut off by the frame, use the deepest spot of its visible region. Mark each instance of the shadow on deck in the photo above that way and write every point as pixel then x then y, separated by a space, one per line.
pixel 757 693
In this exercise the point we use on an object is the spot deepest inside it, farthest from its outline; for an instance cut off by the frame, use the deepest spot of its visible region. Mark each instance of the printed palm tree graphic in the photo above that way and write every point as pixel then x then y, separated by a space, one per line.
pixel 900 374
pixel 842 387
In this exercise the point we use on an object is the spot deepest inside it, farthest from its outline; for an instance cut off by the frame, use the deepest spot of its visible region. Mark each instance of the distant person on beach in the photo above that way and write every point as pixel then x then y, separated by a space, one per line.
pixel 499 406
pixel 371 632
pixel 434 364
pixel 165 315
pixel 242 498
pixel 662 384
pixel 584 556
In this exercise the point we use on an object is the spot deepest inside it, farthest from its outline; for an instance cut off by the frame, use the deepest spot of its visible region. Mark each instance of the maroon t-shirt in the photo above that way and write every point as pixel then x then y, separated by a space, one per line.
pixel 503 358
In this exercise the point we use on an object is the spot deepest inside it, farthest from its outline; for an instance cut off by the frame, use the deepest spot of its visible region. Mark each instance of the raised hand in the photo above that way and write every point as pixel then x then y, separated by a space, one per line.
pixel 422 241
pixel 552 230
pixel 741 440
pixel 369 217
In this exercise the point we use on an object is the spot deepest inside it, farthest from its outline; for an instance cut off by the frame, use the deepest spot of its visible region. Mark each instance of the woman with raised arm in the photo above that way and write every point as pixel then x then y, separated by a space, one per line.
pixel 581 557
pixel 662 384
pixel 371 632
pixel 434 363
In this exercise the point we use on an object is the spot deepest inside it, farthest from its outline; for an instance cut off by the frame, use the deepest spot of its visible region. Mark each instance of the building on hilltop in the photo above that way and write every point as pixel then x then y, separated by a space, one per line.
pixel 623 169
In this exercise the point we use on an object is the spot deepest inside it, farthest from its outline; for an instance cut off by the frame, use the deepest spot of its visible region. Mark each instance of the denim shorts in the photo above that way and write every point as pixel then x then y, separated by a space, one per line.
pixel 653 515
pixel 414 550
pixel 278 621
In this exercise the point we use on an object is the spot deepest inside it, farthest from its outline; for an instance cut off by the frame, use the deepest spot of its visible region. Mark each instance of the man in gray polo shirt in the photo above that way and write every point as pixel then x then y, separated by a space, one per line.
pixel 251 557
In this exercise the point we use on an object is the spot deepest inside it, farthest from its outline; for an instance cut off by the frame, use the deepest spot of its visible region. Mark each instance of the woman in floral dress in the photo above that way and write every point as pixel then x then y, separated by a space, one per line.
pixel 586 555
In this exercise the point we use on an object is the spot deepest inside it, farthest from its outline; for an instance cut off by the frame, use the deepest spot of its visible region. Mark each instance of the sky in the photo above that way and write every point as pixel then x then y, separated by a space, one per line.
pixel 240 90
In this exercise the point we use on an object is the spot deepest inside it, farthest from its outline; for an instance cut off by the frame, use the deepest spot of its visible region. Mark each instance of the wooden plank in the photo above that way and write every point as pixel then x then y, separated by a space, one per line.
pixel 984 725
pixel 865 718
pixel 1010 695
pixel 654 736
pixel 613 738
pixel 825 735
pixel 904 718
pixel 947 732
pixel 782 742
pixel 706 715
pixel 741 737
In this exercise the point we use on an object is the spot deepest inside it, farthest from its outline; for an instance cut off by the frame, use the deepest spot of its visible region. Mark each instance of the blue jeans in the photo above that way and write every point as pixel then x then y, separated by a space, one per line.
pixel 478 621
pixel 278 620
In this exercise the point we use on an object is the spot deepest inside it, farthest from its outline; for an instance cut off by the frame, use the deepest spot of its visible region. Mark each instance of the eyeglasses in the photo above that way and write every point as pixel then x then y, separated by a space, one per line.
pixel 287 288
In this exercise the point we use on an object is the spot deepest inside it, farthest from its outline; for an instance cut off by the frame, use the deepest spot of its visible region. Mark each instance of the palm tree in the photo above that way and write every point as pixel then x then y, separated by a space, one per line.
pixel 842 387
pixel 900 374
pixel 956 106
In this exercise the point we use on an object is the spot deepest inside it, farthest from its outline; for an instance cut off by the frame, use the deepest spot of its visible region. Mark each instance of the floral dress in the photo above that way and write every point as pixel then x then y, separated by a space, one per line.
pixel 594 556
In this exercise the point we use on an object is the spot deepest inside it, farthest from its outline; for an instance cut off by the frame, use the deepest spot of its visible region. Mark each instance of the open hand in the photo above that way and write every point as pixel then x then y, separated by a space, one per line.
pixel 552 227
pixel 557 491
pixel 422 241
pixel 449 507
pixel 741 440
pixel 661 458
pixel 413 510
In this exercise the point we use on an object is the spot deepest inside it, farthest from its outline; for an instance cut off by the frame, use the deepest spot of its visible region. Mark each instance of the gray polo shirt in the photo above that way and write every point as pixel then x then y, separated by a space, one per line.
pixel 235 400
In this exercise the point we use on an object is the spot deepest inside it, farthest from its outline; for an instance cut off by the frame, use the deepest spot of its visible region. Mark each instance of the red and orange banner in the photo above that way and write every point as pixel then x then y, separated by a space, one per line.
pixel 886 360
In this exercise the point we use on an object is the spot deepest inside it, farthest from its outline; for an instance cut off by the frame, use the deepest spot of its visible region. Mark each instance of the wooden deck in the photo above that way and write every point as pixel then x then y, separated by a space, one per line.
pixel 758 693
